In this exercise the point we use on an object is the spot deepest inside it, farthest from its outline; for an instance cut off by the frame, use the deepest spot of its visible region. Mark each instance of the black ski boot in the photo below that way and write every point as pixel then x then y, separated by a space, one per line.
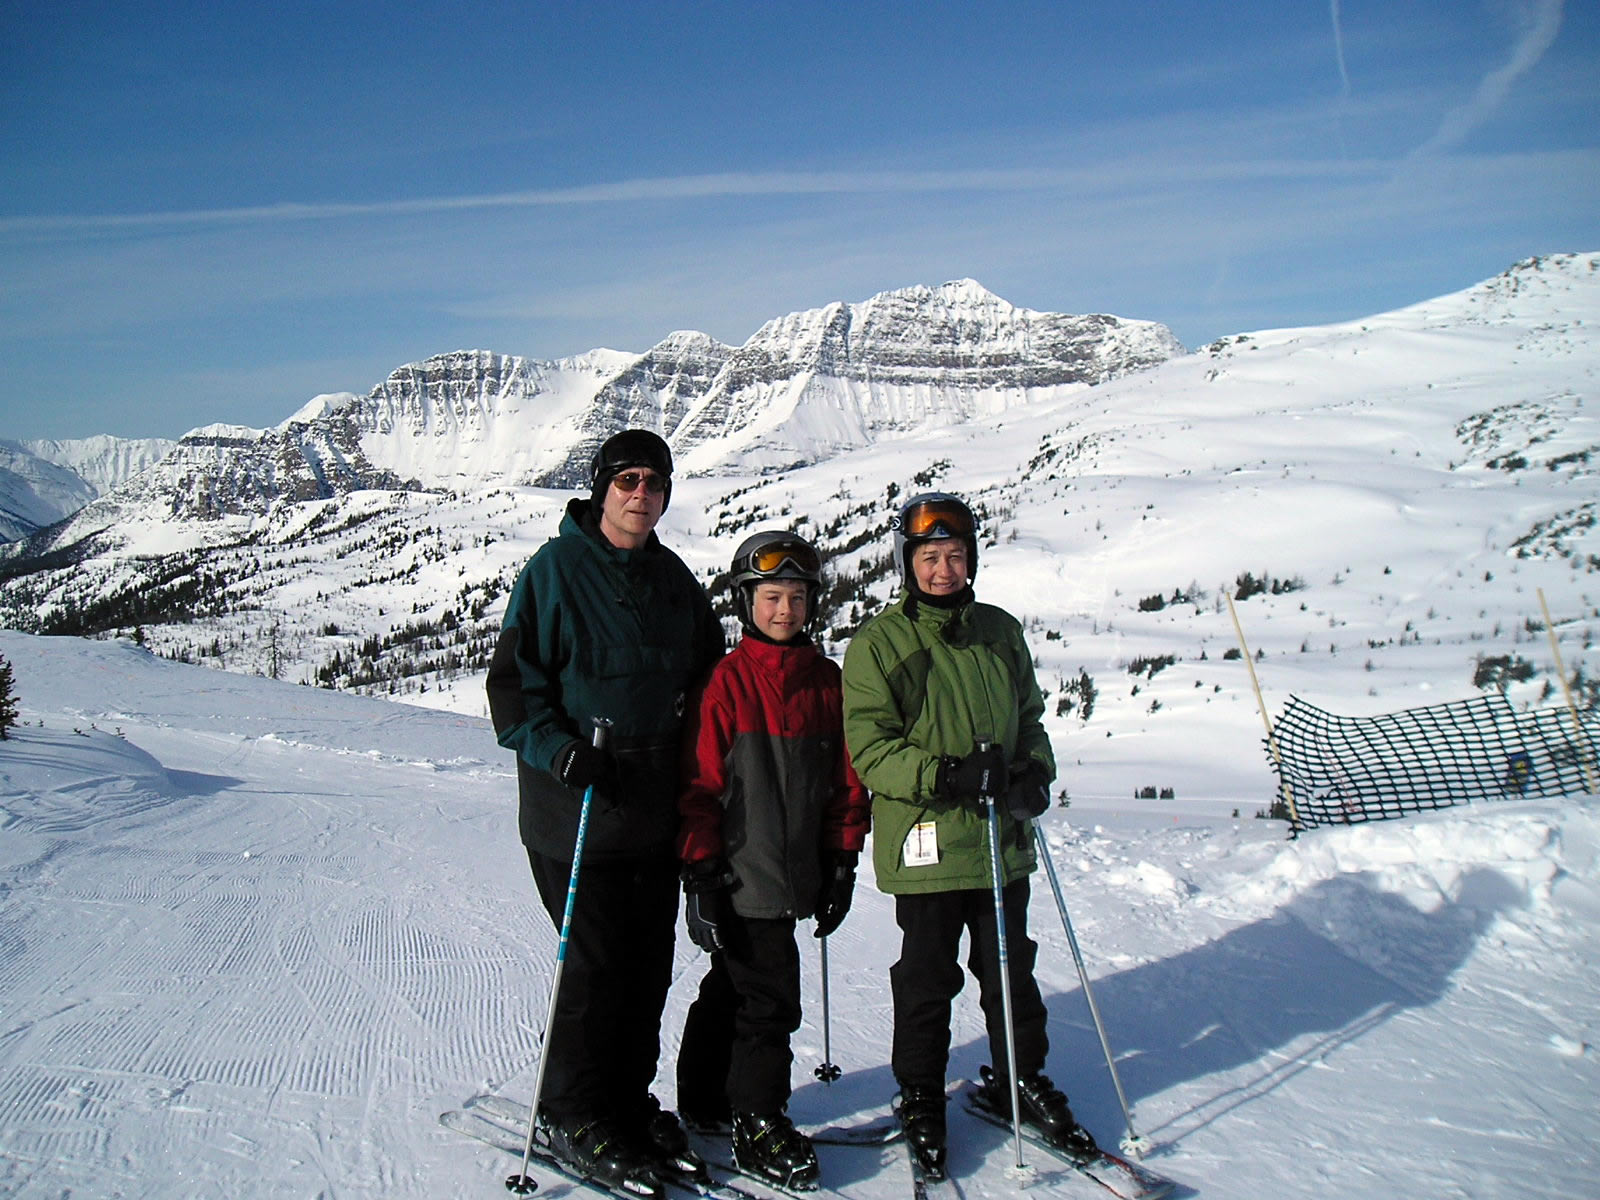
pixel 772 1148
pixel 1044 1108
pixel 921 1112
pixel 661 1141
pixel 595 1149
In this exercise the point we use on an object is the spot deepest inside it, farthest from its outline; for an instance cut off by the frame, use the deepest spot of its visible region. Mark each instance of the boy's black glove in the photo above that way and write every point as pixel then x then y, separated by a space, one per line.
pixel 705 891
pixel 1029 794
pixel 965 780
pixel 580 765
pixel 838 888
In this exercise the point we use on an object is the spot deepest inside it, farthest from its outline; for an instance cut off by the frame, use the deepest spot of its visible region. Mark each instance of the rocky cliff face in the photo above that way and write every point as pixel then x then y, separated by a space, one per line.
pixel 806 386
pixel 814 383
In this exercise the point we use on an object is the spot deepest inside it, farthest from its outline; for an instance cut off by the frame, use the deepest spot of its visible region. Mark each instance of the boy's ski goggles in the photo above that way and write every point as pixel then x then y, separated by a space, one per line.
pixel 951 518
pixel 765 560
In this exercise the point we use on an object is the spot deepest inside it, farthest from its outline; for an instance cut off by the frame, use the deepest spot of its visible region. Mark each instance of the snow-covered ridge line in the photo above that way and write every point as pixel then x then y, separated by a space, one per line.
pixel 803 388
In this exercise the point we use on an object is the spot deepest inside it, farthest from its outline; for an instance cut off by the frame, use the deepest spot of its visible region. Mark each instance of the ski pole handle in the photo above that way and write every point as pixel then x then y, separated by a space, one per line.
pixel 985 783
pixel 602 732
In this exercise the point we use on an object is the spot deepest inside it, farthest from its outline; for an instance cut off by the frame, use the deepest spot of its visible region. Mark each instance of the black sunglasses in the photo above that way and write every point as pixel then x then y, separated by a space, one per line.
pixel 629 481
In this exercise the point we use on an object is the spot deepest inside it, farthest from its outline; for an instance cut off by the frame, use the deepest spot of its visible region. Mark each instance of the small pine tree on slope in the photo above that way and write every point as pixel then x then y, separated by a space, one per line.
pixel 8 700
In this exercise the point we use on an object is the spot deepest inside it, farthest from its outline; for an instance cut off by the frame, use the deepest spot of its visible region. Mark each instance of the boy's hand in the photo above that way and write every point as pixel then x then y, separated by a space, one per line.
pixel 705 887
pixel 838 888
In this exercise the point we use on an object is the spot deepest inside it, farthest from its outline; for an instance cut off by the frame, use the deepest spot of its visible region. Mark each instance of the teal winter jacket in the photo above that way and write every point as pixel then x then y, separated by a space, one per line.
pixel 595 631
pixel 922 682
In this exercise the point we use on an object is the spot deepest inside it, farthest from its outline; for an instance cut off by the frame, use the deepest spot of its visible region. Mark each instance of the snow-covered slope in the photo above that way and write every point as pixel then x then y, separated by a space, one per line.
pixel 1406 486
pixel 255 937
pixel 42 482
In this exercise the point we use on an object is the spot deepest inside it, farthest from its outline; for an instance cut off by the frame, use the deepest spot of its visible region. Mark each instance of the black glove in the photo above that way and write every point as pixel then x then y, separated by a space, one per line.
pixel 1029 794
pixel 705 890
pixel 964 780
pixel 580 765
pixel 838 888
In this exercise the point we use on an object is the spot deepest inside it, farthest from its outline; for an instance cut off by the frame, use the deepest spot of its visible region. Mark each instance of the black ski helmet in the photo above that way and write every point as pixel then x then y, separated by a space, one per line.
pixel 928 517
pixel 630 448
pixel 774 554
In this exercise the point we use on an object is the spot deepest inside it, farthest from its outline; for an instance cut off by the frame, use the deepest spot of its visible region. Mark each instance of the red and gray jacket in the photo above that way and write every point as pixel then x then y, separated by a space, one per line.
pixel 768 784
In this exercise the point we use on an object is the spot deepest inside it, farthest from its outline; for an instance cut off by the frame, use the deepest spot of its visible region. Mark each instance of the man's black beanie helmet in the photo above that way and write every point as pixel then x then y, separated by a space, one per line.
pixel 630 448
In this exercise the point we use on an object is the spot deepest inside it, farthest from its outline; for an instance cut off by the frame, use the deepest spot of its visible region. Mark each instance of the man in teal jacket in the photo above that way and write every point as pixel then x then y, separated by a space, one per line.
pixel 927 683
pixel 605 621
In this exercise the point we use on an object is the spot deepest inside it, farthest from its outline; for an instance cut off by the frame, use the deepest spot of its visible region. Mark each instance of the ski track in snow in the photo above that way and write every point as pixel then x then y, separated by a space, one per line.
pixel 256 944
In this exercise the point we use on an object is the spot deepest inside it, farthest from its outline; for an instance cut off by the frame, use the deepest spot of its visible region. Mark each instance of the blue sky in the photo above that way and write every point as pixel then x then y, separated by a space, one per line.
pixel 214 212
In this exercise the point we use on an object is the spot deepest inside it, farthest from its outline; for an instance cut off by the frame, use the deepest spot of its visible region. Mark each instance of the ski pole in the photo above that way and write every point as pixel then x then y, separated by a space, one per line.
pixel 523 1184
pixel 1133 1145
pixel 829 1070
pixel 986 794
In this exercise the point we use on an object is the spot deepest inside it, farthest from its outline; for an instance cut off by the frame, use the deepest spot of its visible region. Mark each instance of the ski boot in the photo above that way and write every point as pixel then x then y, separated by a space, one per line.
pixel 594 1149
pixel 770 1147
pixel 1044 1109
pixel 661 1141
pixel 921 1111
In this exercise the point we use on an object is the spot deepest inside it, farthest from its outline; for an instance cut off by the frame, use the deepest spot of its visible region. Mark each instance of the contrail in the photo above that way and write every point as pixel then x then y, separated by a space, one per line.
pixel 1542 21
pixel 1338 52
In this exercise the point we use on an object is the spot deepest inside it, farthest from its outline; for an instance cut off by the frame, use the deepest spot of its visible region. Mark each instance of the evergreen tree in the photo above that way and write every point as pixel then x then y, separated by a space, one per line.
pixel 8 700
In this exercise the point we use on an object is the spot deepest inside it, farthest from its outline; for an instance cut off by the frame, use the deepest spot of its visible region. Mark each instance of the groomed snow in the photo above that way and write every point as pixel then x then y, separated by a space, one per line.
pixel 255 937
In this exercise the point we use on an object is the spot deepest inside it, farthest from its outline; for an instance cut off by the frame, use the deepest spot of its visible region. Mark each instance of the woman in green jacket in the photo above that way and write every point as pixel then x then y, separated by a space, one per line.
pixel 939 694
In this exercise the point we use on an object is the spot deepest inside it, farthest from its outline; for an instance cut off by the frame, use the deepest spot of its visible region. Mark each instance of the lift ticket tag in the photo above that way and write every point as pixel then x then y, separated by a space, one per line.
pixel 922 845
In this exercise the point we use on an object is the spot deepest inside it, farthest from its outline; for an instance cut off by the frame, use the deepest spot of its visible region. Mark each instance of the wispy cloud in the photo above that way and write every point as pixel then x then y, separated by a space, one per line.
pixel 1540 21
pixel 1338 50
pixel 1092 179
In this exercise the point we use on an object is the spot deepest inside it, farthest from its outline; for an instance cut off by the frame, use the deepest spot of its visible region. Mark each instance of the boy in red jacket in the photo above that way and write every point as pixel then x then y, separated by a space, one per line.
pixel 773 820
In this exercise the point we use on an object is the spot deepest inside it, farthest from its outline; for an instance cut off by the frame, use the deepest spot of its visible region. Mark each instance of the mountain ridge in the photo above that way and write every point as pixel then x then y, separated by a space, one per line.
pixel 804 386
pixel 1335 482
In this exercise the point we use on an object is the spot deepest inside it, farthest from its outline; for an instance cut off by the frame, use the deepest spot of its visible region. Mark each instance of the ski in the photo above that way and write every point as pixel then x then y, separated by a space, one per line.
pixel 873 1131
pixel 1119 1176
pixel 481 1120
pixel 725 1162
pixel 924 1185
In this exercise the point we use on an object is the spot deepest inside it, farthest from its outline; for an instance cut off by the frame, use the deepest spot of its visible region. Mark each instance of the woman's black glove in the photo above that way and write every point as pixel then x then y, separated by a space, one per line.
pixel 1029 794
pixel 705 891
pixel 838 888
pixel 968 779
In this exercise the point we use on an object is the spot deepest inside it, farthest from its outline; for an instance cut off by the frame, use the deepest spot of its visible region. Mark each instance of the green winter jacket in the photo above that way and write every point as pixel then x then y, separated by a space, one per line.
pixel 931 682
pixel 593 630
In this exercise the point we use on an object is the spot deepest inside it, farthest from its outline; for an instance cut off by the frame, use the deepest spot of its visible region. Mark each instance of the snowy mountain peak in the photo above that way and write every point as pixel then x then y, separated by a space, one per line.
pixel 321 406
pixel 804 387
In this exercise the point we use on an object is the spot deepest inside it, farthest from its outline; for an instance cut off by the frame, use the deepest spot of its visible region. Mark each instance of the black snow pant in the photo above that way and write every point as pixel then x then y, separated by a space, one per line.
pixel 605 1036
pixel 928 977
pixel 735 1054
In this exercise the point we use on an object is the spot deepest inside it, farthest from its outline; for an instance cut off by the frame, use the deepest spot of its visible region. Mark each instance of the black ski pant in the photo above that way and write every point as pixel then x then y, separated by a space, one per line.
pixel 928 977
pixel 605 1037
pixel 735 1053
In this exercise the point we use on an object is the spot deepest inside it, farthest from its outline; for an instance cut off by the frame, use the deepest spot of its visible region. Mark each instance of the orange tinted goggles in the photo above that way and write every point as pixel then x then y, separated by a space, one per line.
pixel 950 517
pixel 769 558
